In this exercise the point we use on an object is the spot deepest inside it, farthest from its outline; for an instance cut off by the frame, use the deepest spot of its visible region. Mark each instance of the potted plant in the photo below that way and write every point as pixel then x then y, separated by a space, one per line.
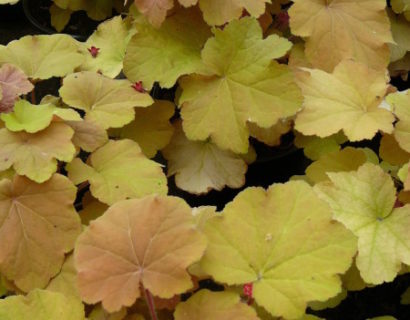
pixel 207 160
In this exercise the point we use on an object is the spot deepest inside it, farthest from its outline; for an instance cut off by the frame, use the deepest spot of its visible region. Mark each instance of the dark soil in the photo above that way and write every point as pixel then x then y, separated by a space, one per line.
pixel 371 302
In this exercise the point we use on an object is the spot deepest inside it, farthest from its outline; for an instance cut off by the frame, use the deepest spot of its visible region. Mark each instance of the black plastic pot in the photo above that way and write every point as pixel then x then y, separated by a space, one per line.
pixel 38 14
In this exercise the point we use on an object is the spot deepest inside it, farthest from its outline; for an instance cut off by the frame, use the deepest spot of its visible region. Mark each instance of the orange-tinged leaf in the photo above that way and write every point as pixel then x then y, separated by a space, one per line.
pixel 284 241
pixel 38 226
pixel 148 242
pixel 208 305
pixel 118 171
pixel 88 134
pixel 343 29
pixel 13 83
pixel 350 99
pixel 35 155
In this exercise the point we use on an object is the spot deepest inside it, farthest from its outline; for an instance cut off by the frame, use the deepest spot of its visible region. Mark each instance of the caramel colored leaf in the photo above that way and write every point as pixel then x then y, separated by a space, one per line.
pixel 391 152
pixel 163 55
pixel 208 305
pixel 347 99
pixel 92 209
pixel 41 305
pixel 35 155
pixel 13 83
pixel 148 242
pixel 38 226
pixel 88 134
pixel 151 128
pixel 284 241
pixel 118 171
pixel 110 103
pixel 200 166
pixel 363 201
pixel 43 56
pixel 246 86
pixel 337 30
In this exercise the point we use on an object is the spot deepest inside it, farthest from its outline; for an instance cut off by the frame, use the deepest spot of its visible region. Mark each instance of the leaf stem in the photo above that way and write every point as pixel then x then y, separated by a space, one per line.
pixel 33 96
pixel 150 302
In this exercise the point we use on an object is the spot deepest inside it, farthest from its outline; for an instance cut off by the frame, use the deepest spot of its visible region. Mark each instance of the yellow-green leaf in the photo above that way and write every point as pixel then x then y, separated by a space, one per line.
pixel 66 281
pixel 347 99
pixel 117 171
pixel 284 241
pixel 43 56
pixel 401 108
pixel 363 201
pixel 41 305
pixel 33 118
pixel 245 86
pixel 111 38
pixel 149 242
pixel 108 102
pixel 167 53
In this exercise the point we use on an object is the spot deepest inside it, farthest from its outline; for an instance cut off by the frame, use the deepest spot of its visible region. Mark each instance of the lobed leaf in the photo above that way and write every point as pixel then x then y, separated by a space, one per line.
pixel 117 171
pixel 137 243
pixel 38 226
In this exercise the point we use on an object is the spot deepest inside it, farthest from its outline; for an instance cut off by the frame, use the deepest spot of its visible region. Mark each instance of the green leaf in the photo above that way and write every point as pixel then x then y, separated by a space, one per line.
pixel 363 201
pixel 41 305
pixel 43 56
pixel 284 241
pixel 167 53
pixel 33 118
pixel 245 86
pixel 118 171
pixel 110 103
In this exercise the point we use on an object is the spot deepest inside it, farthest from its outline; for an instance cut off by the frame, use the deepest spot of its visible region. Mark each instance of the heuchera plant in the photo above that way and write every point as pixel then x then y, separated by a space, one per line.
pixel 87 230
